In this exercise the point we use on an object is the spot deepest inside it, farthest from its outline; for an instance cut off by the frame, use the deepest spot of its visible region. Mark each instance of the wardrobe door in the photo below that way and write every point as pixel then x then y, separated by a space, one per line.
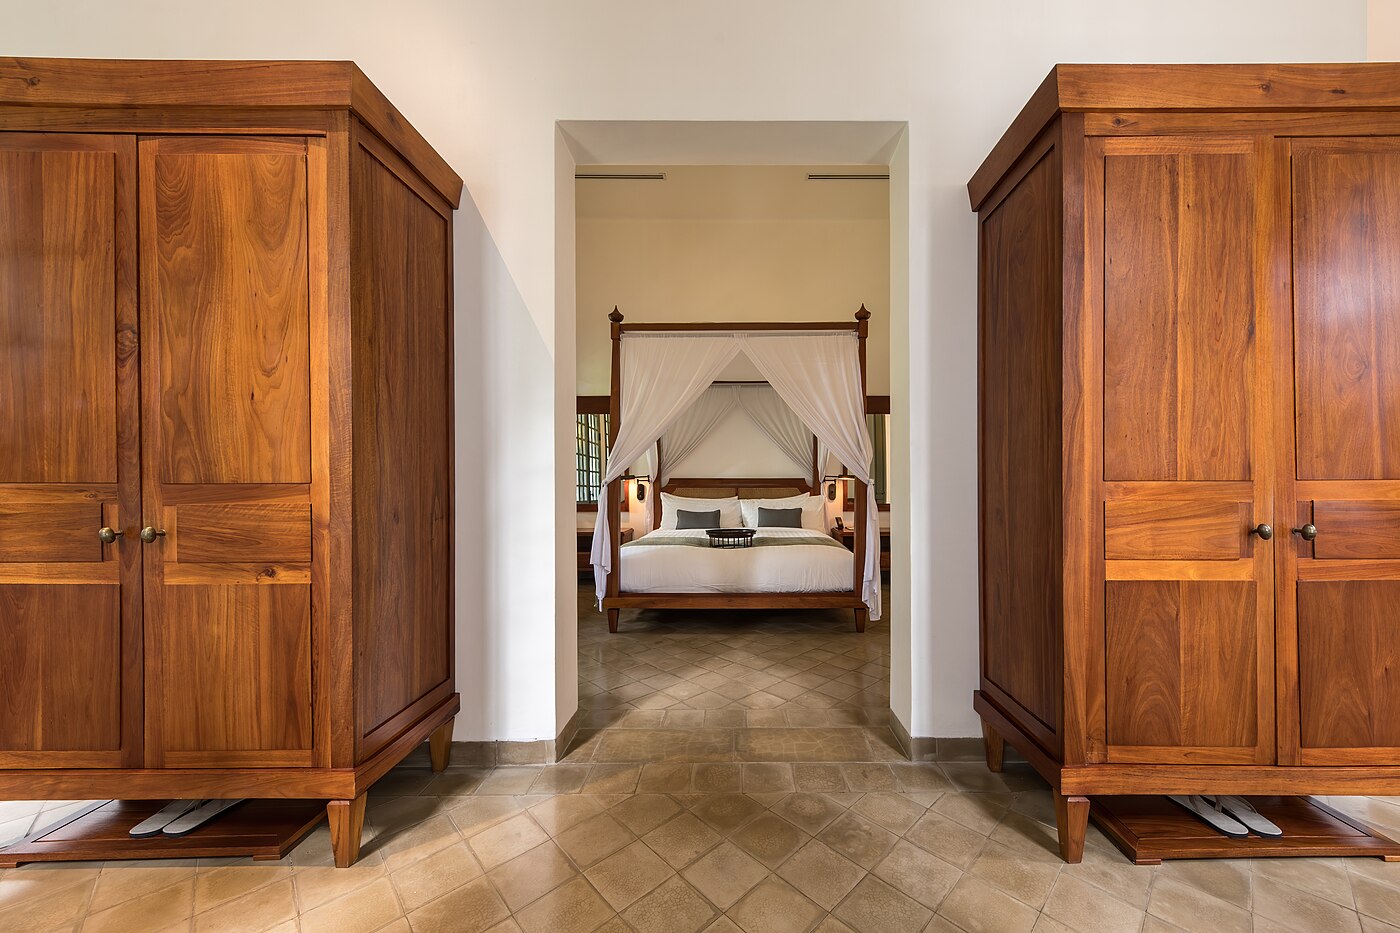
pixel 1187 599
pixel 70 604
pixel 225 251
pixel 1341 601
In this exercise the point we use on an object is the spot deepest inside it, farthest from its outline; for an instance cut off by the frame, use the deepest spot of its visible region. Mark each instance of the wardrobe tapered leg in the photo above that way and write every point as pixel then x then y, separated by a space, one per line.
pixel 996 746
pixel 440 745
pixel 1072 820
pixel 346 818
pixel 861 616
pixel 613 615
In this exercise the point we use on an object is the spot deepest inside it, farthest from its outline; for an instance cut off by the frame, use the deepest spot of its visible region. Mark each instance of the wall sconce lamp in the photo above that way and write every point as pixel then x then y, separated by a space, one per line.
pixel 640 482
pixel 842 477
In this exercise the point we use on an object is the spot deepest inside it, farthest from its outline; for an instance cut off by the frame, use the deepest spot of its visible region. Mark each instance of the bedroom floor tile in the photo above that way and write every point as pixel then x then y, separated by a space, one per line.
pixel 660 822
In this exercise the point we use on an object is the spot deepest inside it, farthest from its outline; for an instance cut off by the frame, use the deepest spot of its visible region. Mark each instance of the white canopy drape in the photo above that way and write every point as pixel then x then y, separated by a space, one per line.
pixel 817 375
pixel 775 418
pixel 662 376
pixel 694 426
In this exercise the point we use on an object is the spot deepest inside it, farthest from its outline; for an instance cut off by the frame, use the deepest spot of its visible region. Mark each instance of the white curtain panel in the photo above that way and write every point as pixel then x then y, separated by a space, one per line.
pixel 784 428
pixel 818 375
pixel 662 376
pixel 693 426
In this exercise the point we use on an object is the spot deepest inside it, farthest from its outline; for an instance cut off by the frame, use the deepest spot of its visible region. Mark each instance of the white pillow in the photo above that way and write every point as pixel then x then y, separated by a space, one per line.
pixel 729 515
pixel 813 510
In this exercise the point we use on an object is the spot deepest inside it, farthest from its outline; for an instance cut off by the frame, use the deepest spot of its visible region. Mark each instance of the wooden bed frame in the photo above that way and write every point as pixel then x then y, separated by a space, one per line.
pixel 615 600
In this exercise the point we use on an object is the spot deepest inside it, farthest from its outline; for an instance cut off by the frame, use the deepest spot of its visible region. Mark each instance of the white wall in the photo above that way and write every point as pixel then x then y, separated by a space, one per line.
pixel 487 81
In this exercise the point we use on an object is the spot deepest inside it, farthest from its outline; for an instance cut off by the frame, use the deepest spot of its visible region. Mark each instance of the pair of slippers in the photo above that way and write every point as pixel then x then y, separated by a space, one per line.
pixel 179 817
pixel 1233 816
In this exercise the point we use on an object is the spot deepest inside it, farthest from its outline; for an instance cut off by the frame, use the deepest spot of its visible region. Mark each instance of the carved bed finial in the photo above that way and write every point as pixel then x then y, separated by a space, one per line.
pixel 862 314
pixel 615 316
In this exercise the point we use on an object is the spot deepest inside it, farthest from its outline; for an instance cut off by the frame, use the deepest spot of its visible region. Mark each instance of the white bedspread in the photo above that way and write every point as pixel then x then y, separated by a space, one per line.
pixel 785 569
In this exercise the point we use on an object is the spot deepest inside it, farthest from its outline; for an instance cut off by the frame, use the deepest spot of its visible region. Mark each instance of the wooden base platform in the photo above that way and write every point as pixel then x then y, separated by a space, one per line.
pixel 263 829
pixel 1151 829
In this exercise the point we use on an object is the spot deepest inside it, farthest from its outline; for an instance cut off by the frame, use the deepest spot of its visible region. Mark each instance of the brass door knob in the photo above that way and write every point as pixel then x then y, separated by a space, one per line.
pixel 149 534
pixel 108 535
pixel 1307 532
pixel 1265 532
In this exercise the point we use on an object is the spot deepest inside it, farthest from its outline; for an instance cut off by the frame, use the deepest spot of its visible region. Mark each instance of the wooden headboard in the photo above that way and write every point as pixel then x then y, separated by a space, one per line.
pixel 768 487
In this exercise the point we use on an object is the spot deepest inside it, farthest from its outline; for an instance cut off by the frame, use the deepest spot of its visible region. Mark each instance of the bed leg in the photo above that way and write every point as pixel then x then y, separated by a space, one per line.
pixel 861 616
pixel 613 615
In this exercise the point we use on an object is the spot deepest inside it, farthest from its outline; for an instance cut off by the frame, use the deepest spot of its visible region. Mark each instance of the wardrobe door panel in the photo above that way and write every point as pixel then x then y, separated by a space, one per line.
pixel 1342 587
pixel 1346 288
pixel 226 272
pixel 1178 292
pixel 229 264
pixel 1188 601
pixel 236 666
pixel 1182 668
pixel 1349 691
pixel 70 604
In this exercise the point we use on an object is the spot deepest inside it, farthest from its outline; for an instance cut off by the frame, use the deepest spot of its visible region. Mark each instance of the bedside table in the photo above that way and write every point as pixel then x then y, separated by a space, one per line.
pixel 585 547
pixel 847 536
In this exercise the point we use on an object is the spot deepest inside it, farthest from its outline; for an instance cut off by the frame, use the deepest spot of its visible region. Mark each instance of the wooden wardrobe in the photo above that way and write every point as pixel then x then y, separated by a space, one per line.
pixel 1189 444
pixel 225 434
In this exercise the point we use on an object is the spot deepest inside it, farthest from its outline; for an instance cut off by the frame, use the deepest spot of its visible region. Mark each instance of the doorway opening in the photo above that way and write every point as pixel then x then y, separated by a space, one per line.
pixel 734 224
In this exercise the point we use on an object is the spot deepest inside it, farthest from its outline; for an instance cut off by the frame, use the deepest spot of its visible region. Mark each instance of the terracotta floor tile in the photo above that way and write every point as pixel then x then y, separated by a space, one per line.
pixel 725 874
pixel 769 838
pixel 892 811
pixel 594 839
pixel 556 814
pixel 532 875
pixel 876 907
pixel 152 911
pixel 1191 909
pixel 501 842
pixel 641 813
pixel 918 873
pixel 808 811
pixel 978 907
pixel 775 906
pixel 673 907
pixel 724 813
pixel 259 910
pixel 1085 907
pixel 858 839
pixel 681 840
pixel 420 882
pixel 821 873
pixel 573 908
pixel 473 907
pixel 625 876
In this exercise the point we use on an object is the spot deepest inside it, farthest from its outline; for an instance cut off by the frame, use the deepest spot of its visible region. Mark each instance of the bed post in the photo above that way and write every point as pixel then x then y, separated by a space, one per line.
pixel 615 487
pixel 861 536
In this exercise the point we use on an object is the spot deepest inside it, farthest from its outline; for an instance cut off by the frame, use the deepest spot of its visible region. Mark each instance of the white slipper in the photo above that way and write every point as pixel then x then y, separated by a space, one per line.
pixel 1242 810
pixel 198 817
pixel 172 811
pixel 1216 818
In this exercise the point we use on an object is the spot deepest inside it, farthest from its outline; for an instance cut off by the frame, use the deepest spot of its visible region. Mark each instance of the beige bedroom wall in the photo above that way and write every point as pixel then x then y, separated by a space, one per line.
pixel 731 243
pixel 1383 30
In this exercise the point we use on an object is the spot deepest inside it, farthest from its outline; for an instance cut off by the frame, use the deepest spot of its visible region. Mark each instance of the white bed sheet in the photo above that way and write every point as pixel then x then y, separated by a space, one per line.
pixel 680 569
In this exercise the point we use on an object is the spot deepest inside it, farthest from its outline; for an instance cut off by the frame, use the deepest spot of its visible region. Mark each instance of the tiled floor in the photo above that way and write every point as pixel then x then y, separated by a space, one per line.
pixel 728 824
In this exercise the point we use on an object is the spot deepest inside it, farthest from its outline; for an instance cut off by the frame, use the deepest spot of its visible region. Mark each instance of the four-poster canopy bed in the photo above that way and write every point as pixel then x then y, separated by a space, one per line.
pixel 819 371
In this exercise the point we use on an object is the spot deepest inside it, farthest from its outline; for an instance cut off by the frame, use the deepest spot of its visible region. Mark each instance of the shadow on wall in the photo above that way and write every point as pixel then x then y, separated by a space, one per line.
pixel 504 392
